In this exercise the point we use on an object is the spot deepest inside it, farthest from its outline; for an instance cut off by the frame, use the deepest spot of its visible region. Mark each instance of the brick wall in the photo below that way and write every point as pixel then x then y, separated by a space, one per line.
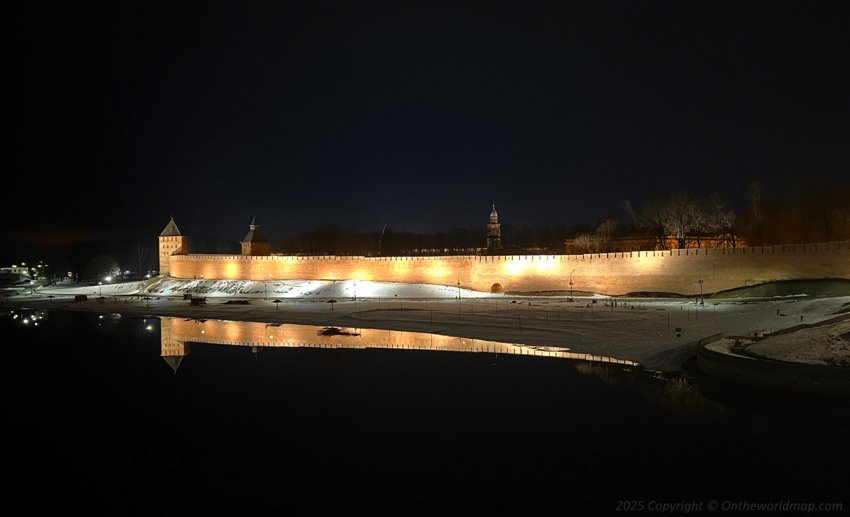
pixel 611 273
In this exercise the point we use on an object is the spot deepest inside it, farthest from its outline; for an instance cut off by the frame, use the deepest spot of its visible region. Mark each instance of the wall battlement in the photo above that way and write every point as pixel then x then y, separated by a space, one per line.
pixel 676 271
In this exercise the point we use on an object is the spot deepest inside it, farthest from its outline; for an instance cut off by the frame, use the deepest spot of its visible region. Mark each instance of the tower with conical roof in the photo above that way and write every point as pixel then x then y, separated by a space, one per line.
pixel 171 242
pixel 255 243
pixel 494 232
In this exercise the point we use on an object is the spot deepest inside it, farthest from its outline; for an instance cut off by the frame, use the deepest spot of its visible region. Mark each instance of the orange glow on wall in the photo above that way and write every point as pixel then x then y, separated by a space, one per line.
pixel 231 269
pixel 360 274
pixel 515 267
pixel 439 271
pixel 614 273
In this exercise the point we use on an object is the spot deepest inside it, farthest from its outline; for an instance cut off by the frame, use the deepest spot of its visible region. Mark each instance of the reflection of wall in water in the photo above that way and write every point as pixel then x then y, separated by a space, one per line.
pixel 177 333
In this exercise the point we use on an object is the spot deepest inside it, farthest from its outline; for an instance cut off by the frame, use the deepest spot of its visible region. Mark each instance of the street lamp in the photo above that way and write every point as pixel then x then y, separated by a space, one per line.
pixel 458 298
pixel 355 290
pixel 100 288
pixel 571 285
pixel 701 300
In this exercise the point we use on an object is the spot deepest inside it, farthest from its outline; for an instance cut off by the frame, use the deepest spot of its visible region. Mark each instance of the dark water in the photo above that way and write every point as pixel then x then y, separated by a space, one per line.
pixel 99 421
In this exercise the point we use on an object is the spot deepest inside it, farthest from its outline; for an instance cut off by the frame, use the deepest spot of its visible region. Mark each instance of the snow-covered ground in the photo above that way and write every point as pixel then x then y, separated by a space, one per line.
pixel 273 289
pixel 824 344
pixel 659 333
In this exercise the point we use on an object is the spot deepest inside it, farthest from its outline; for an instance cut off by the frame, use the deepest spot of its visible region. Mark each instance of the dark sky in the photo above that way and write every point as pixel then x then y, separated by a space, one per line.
pixel 414 114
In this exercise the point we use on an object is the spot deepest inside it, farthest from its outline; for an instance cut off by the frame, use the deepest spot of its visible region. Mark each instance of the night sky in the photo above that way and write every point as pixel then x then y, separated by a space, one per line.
pixel 414 114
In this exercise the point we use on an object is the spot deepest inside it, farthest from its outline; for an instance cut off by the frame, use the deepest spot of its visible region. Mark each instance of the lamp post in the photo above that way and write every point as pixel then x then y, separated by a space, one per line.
pixel 701 301
pixel 355 290
pixel 100 289
pixel 458 298
pixel 571 285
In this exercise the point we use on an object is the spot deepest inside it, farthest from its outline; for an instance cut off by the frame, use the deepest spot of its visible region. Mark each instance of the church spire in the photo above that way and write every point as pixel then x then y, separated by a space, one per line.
pixel 494 232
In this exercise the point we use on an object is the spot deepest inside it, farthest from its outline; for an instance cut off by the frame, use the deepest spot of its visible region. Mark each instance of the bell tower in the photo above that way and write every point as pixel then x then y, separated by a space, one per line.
pixel 171 242
pixel 494 232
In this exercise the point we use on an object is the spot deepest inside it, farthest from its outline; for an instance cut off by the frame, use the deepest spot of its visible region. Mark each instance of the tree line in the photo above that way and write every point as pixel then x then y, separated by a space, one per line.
pixel 816 213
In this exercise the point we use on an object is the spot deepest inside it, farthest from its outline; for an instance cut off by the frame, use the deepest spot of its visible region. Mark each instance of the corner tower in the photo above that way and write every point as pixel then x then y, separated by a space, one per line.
pixel 494 232
pixel 255 243
pixel 171 242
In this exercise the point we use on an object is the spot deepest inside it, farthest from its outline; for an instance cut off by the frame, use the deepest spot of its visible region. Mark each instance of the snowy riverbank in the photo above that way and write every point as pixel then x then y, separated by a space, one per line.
pixel 658 333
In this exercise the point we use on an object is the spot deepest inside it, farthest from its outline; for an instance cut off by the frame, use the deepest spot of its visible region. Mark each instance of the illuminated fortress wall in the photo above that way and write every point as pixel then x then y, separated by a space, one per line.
pixel 677 271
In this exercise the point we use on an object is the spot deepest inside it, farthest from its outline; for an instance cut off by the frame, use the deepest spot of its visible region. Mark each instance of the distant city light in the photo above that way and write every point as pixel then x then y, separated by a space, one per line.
pixel 26 321
pixel 108 279
pixel 149 327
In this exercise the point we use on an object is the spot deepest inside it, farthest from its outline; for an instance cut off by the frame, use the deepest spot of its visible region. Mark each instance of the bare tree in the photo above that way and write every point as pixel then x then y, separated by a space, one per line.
pixel 584 243
pixel 599 241
pixel 653 218
pixel 699 220
pixel 678 213
pixel 722 219
pixel 824 211
pixel 142 253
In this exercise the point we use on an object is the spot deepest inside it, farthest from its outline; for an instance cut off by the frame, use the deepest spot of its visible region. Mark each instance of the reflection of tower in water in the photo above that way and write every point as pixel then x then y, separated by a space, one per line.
pixel 172 350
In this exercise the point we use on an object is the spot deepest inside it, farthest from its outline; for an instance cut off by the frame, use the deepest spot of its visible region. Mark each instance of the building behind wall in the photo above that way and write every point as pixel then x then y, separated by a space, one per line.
pixel 494 233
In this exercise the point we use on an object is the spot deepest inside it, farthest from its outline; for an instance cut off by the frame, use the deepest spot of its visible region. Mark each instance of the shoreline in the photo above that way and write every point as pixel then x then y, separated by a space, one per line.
pixel 657 334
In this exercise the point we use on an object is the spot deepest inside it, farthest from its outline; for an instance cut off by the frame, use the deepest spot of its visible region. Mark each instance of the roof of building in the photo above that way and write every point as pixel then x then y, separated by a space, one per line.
pixel 494 217
pixel 171 229
pixel 254 234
